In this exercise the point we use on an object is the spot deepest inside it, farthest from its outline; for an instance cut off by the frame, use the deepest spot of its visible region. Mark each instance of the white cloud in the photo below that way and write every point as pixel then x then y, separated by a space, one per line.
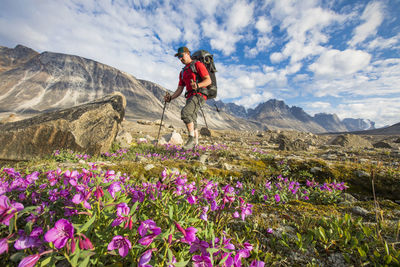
pixel 319 105
pixel 383 43
pixel 239 16
pixel 263 25
pixel 383 111
pixel 372 17
pixel 337 63
pixel 252 100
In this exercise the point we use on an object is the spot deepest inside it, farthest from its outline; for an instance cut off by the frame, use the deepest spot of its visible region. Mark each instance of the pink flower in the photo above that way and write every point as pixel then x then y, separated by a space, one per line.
pixel 189 234
pixel 145 258
pixel 243 253
pixel 84 242
pixel 145 226
pixel 121 243
pixel 114 188
pixel 3 245
pixel 29 261
pixel 201 261
pixel 62 231
pixel 8 209
pixel 257 263
pixel 277 198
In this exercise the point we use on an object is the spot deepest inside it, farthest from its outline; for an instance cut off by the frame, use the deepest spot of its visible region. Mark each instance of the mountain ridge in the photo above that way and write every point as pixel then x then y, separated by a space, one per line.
pixel 32 82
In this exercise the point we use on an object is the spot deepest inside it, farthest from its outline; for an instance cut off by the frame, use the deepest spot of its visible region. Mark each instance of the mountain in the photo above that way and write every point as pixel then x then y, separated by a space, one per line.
pixel 330 122
pixel 32 82
pixel 358 124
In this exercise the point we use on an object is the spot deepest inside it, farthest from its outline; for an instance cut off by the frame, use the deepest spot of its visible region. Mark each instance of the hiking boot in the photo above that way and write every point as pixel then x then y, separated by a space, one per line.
pixel 190 143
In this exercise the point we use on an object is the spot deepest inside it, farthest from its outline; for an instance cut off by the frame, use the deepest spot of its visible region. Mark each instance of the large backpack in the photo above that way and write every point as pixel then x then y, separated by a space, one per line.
pixel 207 59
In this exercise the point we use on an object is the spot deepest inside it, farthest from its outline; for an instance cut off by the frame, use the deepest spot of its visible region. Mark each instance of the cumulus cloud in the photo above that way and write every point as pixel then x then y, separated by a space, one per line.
pixel 253 99
pixel 336 63
pixel 372 17
pixel 302 51
pixel 263 25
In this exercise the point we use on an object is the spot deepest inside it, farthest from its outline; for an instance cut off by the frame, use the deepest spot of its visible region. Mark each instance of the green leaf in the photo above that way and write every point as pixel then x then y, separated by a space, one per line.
pixel 133 208
pixel 85 262
pixel 376 254
pixel 171 212
pixel 181 263
pixel 362 252
pixel 45 262
pixel 75 258
pixel 387 248
pixel 87 224
pixel 388 259
pixel 322 233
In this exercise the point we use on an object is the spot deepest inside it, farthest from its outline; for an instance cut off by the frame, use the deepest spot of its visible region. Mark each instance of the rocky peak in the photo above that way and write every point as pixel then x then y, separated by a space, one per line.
pixel 13 57
pixel 358 124
pixel 330 122
pixel 300 114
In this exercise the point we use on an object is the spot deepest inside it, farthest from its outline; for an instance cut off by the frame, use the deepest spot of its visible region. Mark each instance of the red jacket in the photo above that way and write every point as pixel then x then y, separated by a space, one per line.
pixel 188 75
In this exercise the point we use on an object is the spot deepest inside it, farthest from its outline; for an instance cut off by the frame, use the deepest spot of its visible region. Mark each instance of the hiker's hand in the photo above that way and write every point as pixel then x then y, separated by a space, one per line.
pixel 194 85
pixel 167 98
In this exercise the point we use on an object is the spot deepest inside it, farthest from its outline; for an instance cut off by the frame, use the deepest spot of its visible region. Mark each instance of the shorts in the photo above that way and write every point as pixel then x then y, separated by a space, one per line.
pixel 190 110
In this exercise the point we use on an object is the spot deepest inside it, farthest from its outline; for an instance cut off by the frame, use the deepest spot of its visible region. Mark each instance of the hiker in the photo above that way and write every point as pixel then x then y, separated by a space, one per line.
pixel 193 97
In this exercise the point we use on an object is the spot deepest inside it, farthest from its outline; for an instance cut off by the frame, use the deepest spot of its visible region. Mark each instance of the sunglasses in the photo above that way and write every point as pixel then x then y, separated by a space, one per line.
pixel 180 56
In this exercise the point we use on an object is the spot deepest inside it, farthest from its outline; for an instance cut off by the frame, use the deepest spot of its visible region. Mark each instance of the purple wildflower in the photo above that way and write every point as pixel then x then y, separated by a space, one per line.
pixel 29 261
pixel 277 198
pixel 201 261
pixel 243 253
pixel 257 263
pixel 145 226
pixel 3 245
pixel 122 211
pixel 114 188
pixel 121 243
pixel 62 231
pixel 145 258
pixel 7 209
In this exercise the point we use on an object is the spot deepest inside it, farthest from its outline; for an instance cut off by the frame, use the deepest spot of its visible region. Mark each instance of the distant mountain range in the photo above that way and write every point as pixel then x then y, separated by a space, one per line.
pixel 277 114
pixel 32 82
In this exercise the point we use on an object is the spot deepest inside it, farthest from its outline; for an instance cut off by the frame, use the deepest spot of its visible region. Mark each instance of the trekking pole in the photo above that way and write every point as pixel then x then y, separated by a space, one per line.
pixel 162 117
pixel 204 117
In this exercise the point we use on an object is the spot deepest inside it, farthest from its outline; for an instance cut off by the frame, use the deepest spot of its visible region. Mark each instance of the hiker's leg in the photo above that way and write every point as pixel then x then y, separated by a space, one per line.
pixel 196 136
pixel 187 115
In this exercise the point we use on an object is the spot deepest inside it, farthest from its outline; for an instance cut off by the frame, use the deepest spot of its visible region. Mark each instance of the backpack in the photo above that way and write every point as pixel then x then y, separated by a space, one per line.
pixel 207 59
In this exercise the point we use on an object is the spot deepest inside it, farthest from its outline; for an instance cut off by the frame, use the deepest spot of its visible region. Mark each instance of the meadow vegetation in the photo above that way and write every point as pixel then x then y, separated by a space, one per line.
pixel 216 206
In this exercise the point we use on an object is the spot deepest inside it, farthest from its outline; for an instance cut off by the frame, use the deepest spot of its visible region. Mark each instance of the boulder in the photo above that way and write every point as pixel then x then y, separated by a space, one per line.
pixel 351 141
pixel 285 143
pixel 124 139
pixel 89 128
pixel 382 144
pixel 173 138
pixel 205 131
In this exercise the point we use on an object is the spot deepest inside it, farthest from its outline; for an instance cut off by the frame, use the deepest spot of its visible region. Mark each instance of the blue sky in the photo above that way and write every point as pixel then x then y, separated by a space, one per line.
pixel 338 56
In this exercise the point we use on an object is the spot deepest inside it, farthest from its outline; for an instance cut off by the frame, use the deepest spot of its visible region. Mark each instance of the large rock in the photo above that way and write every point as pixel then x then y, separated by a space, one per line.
pixel 351 141
pixel 89 128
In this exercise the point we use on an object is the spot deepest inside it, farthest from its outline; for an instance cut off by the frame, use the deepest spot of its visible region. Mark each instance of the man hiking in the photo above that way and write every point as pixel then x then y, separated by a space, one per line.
pixel 194 99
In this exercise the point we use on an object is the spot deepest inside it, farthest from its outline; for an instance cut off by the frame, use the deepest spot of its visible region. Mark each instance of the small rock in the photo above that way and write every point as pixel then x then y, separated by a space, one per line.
pixel 142 140
pixel 361 173
pixel 124 139
pixel 205 131
pixel 315 170
pixel 148 167
pixel 382 144
pixel 145 122
pixel 359 211
pixel 173 138
pixel 203 158
pixel 349 198
pixel 226 166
